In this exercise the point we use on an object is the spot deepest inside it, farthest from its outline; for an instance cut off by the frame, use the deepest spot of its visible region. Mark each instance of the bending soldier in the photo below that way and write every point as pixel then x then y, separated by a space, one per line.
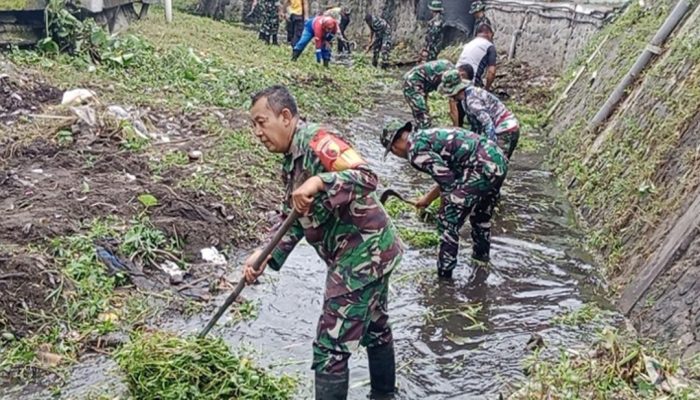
pixel 468 170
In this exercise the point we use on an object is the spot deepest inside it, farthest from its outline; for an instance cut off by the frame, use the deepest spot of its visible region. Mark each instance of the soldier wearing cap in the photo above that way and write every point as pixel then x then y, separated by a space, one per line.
pixel 468 169
pixel 477 11
pixel 333 189
pixel 418 82
pixel 486 114
pixel 379 40
pixel 434 35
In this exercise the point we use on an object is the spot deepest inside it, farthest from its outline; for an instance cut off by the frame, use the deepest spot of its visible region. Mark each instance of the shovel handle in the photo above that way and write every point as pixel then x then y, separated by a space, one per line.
pixel 267 250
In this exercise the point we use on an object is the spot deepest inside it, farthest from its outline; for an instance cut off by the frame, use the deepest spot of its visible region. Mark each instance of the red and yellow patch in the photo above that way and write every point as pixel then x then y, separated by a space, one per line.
pixel 335 154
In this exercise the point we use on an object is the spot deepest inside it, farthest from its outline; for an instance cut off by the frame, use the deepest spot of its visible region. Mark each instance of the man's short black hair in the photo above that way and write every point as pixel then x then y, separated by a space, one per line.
pixel 278 98
pixel 484 28
pixel 368 18
pixel 468 71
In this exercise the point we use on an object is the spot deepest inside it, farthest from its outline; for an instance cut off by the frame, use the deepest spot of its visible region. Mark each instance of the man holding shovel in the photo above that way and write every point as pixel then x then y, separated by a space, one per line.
pixel 333 190
pixel 468 170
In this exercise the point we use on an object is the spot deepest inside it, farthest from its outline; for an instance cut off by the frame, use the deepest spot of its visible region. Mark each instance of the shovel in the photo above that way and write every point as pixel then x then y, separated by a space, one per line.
pixel 291 218
pixel 390 192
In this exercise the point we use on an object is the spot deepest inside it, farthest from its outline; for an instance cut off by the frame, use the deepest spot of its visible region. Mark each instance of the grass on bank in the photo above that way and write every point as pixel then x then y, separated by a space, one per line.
pixel 618 189
pixel 89 302
pixel 617 367
pixel 197 62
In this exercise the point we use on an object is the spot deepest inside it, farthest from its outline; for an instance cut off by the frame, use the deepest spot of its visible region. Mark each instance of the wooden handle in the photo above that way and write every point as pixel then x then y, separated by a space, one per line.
pixel 267 250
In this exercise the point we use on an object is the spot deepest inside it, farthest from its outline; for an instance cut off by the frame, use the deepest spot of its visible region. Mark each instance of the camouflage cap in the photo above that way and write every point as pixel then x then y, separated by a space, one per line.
pixel 451 84
pixel 391 132
pixel 476 7
pixel 435 5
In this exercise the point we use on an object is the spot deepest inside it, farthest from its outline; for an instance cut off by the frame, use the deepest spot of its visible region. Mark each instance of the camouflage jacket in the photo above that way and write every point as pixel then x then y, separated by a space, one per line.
pixel 433 37
pixel 426 77
pixel 454 157
pixel 487 114
pixel 379 26
pixel 347 225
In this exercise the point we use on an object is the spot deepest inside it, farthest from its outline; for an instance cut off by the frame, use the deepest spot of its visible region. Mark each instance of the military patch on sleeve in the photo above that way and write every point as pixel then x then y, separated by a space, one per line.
pixel 334 153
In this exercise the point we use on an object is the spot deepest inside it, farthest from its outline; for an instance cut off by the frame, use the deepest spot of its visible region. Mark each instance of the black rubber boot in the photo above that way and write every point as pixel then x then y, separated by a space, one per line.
pixel 326 63
pixel 332 386
pixel 382 369
pixel 444 273
pixel 295 54
pixel 374 61
pixel 274 39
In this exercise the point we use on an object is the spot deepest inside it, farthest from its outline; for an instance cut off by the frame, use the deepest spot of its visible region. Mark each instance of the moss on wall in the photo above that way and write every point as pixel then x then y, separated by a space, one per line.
pixel 632 179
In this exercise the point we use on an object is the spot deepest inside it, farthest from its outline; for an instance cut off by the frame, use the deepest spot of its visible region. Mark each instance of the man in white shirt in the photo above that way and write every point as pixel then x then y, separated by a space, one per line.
pixel 480 53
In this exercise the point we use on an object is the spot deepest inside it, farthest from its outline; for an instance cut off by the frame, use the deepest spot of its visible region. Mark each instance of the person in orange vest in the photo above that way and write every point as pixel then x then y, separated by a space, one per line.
pixel 322 30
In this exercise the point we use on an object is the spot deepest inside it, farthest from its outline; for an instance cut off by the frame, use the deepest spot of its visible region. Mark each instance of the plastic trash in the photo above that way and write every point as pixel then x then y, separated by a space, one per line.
pixel 77 96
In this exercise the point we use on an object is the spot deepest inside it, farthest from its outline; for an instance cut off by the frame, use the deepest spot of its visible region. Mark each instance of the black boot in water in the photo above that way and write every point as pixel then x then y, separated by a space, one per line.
pixel 382 369
pixel 274 39
pixel 332 386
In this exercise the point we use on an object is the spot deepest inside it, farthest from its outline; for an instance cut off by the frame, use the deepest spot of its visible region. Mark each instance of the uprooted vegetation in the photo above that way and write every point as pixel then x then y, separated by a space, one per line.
pixel 618 366
pixel 163 366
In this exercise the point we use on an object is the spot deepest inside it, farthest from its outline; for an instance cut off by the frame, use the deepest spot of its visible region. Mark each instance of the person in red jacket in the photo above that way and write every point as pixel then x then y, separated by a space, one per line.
pixel 322 30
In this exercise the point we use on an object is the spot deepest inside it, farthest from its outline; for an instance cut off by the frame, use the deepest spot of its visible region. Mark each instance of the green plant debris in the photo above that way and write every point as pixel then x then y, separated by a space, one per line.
pixel 162 366
pixel 618 367
pixel 148 200
pixel 168 160
pixel 244 311
pixel 590 312
pixel 91 303
pixel 397 208
pixel 86 40
pixel 145 244
pixel 419 239
pixel 464 310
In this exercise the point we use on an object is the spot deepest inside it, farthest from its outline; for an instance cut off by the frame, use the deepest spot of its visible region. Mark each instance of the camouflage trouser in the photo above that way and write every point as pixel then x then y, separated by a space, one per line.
pixel 508 141
pixel 433 51
pixel 476 200
pixel 381 46
pixel 357 318
pixel 417 99
pixel 270 19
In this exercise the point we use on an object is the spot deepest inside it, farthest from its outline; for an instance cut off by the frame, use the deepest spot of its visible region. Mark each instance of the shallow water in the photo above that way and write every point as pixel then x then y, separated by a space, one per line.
pixel 538 271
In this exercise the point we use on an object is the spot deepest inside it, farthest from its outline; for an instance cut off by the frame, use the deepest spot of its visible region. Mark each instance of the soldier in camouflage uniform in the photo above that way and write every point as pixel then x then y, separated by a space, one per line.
pixel 477 11
pixel 379 40
pixel 434 36
pixel 344 221
pixel 486 114
pixel 468 170
pixel 270 20
pixel 418 83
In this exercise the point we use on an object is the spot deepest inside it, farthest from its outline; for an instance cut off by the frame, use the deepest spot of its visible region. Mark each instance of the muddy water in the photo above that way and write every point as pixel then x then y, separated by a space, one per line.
pixel 538 271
